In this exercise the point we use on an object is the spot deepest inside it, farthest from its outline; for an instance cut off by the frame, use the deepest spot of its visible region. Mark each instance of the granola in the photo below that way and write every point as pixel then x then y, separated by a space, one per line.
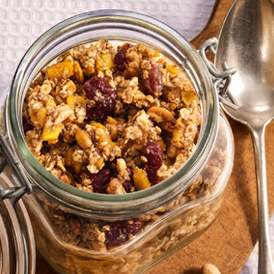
pixel 165 228
pixel 102 105
pixel 118 119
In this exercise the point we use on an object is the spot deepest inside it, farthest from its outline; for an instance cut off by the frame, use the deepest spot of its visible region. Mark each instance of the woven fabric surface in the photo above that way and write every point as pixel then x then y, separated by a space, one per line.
pixel 23 21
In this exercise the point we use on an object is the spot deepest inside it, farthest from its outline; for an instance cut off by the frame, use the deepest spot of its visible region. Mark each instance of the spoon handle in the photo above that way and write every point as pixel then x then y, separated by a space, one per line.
pixel 266 265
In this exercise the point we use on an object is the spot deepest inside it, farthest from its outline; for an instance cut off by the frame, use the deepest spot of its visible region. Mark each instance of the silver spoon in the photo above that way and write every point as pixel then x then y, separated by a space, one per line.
pixel 246 42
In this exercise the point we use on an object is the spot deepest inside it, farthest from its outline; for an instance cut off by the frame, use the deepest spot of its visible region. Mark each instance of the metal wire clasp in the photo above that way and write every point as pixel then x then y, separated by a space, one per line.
pixel 15 192
pixel 221 79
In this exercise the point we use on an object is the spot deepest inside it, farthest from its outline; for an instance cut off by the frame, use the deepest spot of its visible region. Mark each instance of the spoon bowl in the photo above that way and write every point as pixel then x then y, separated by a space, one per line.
pixel 246 42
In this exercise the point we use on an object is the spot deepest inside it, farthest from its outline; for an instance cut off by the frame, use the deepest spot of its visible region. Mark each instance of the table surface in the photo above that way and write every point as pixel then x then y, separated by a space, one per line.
pixel 21 22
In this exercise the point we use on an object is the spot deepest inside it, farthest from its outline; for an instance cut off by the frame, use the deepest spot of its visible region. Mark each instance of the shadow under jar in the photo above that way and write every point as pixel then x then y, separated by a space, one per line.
pixel 68 222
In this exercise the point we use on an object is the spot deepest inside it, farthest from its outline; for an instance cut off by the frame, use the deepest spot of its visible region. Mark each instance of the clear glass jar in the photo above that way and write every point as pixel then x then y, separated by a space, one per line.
pixel 69 220
pixel 17 246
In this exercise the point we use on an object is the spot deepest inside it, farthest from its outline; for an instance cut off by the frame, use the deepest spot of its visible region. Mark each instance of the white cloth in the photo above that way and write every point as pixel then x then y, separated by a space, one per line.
pixel 22 21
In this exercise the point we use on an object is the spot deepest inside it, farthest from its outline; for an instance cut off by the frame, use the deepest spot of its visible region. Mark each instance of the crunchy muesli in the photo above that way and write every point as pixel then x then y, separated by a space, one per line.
pixel 117 119
pixel 125 113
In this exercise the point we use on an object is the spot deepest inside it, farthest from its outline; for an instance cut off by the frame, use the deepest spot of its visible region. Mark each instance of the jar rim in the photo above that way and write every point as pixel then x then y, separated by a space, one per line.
pixel 172 185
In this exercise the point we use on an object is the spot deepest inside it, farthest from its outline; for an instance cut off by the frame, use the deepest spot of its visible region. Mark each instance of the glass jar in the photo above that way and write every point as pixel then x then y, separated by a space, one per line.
pixel 17 246
pixel 73 222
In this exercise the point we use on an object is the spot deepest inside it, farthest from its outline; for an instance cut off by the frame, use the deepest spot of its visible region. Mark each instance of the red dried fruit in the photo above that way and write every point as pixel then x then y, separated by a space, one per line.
pixel 120 231
pixel 129 183
pixel 99 90
pixel 27 124
pixel 120 58
pixel 153 84
pixel 100 180
pixel 96 114
pixel 154 154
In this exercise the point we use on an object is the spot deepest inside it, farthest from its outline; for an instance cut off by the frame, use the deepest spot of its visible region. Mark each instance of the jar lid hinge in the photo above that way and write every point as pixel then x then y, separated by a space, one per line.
pixel 9 158
pixel 221 79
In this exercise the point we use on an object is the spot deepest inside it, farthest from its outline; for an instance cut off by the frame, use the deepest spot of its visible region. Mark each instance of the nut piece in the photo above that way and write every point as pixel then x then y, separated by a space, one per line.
pixel 159 114
pixel 210 269
pixel 83 139
pixel 115 187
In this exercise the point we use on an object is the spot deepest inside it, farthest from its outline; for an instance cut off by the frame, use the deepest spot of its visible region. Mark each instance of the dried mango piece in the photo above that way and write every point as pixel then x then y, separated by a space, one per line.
pixel 188 95
pixel 104 62
pixel 172 69
pixel 51 104
pixel 59 70
pixel 69 162
pixel 111 120
pixel 51 133
pixel 78 72
pixel 100 163
pixel 140 179
pixel 103 136
pixel 75 100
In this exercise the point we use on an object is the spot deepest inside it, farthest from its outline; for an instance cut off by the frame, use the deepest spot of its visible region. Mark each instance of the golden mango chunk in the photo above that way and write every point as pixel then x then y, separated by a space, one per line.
pixel 75 100
pixel 51 133
pixel 103 135
pixel 78 72
pixel 140 179
pixel 69 162
pixel 188 95
pixel 105 142
pixel 104 62
pixel 172 69
pixel 51 104
pixel 59 71
pixel 112 120
pixel 100 163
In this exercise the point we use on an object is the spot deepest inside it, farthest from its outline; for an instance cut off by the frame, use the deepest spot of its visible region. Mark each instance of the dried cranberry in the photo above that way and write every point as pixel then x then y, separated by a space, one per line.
pixel 100 180
pixel 96 114
pixel 99 90
pixel 27 124
pixel 120 58
pixel 153 84
pixel 129 183
pixel 154 154
pixel 119 232
pixel 135 227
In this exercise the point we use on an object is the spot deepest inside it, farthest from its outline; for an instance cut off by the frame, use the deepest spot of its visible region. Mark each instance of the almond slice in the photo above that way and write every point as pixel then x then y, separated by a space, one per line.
pixel 159 114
